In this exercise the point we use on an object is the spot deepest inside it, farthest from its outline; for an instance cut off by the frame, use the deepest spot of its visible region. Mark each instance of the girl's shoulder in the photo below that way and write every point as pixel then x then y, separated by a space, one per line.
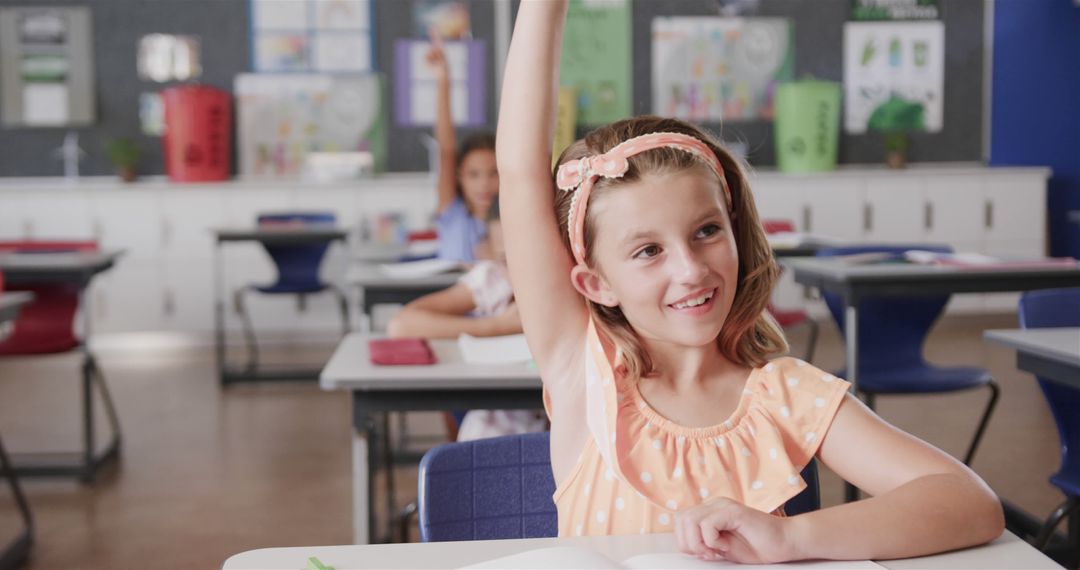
pixel 796 391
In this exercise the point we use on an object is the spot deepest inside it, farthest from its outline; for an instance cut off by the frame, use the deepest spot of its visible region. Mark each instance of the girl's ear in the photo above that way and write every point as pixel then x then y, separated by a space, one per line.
pixel 592 285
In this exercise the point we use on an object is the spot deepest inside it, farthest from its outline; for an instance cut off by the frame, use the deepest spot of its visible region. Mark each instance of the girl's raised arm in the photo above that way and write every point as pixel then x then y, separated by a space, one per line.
pixel 444 125
pixel 553 313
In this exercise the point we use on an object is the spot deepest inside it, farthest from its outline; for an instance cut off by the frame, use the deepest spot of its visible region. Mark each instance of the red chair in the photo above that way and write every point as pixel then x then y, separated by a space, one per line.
pixel 47 326
pixel 788 318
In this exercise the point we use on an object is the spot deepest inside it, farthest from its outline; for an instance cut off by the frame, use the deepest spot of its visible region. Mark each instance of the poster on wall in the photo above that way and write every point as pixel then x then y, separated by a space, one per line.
pixel 596 59
pixel 46 67
pixel 415 86
pixel 894 10
pixel 894 76
pixel 311 35
pixel 447 19
pixel 283 117
pixel 713 69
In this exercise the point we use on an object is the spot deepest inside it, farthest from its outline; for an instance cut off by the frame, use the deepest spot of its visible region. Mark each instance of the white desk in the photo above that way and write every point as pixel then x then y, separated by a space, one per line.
pixel 1053 353
pixel 450 384
pixel 1008 551
pixel 377 288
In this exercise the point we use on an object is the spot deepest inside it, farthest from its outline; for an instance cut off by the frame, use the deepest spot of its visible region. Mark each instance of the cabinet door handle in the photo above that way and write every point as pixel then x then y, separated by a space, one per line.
pixel 166 233
pixel 806 218
pixel 868 217
pixel 28 228
pixel 99 231
pixel 928 216
pixel 168 303
pixel 988 214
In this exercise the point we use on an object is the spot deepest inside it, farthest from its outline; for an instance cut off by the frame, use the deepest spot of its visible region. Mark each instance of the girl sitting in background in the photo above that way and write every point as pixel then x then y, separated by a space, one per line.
pixel 468 181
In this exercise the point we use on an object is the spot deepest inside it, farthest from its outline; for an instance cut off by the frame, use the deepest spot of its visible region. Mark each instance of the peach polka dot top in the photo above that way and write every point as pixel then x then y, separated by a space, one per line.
pixel 638 468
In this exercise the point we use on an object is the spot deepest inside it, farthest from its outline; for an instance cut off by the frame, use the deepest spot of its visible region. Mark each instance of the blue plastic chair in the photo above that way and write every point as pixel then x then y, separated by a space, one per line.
pixel 1058 308
pixel 501 488
pixel 297 272
pixel 892 331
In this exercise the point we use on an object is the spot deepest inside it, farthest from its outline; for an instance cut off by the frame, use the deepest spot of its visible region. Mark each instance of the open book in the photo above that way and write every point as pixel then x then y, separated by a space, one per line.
pixel 580 557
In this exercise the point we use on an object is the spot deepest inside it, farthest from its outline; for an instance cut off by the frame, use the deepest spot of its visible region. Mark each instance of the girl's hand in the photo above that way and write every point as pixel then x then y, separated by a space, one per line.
pixel 436 58
pixel 723 529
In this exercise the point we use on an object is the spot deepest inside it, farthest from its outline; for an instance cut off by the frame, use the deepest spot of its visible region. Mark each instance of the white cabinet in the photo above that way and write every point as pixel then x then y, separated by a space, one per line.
pixel 952 213
pixel 1014 211
pixel 893 210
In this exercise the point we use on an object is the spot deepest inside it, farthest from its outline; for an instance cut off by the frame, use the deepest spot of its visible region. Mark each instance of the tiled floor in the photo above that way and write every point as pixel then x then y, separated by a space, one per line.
pixel 208 472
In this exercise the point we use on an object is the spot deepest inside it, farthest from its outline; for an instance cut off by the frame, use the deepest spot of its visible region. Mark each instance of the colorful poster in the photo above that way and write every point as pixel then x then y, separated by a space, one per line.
pixel 415 87
pixel 894 10
pixel 894 76
pixel 282 117
pixel 448 19
pixel 311 35
pixel 719 69
pixel 596 59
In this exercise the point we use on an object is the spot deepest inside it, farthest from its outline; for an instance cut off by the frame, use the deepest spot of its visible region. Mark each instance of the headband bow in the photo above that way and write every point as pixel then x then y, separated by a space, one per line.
pixel 579 175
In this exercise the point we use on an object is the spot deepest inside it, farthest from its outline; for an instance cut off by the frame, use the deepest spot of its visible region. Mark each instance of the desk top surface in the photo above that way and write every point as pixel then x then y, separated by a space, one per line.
pixel 11 303
pixel 370 275
pixel 57 262
pixel 841 270
pixel 1058 344
pixel 350 368
pixel 284 234
pixel 1007 551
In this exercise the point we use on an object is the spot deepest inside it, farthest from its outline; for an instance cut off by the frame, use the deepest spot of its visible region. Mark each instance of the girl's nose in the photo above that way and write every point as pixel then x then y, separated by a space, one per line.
pixel 690 266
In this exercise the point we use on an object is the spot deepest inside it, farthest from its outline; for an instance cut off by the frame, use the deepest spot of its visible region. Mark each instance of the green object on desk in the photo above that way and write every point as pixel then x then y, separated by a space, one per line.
pixel 314 564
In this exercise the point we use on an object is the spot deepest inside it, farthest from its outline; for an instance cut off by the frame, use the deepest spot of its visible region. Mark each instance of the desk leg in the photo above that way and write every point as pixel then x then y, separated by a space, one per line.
pixel 219 313
pixel 361 488
pixel 851 363
pixel 15 553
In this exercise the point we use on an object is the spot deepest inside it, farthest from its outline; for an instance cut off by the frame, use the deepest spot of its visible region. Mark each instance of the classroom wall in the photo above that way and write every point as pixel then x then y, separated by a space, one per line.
pixel 223 27
pixel 1035 95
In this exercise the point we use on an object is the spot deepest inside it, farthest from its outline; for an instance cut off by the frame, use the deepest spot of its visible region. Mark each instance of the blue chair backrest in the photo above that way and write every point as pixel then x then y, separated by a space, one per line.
pixel 298 265
pixel 501 488
pixel 1058 308
pixel 891 329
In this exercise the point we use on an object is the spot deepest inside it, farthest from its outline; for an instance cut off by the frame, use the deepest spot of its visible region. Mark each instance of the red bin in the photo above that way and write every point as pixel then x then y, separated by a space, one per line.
pixel 198 133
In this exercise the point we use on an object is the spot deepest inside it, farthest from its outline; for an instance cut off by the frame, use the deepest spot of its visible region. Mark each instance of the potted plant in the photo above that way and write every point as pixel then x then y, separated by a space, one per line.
pixel 896 147
pixel 124 155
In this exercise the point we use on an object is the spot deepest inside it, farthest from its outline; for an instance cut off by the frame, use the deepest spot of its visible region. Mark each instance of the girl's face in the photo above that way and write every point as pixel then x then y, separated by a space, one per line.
pixel 479 180
pixel 666 256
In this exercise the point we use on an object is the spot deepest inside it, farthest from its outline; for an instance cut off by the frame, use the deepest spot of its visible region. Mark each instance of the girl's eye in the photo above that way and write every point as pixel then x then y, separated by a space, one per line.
pixel 647 252
pixel 708 230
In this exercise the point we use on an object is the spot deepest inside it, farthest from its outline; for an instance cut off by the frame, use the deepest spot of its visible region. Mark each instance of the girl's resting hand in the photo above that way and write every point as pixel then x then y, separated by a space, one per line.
pixel 723 529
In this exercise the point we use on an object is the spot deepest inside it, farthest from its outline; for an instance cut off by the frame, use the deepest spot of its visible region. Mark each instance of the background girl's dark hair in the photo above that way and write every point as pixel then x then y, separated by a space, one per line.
pixel 475 141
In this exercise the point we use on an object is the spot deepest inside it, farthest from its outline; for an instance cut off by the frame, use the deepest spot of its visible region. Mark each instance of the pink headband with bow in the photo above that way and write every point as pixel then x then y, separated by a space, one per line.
pixel 578 176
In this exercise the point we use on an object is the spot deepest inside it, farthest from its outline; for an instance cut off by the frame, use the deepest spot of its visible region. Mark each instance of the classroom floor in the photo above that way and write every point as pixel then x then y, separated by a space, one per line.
pixel 207 473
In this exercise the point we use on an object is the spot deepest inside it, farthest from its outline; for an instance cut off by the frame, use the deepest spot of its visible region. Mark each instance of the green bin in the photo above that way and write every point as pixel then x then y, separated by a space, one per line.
pixel 807 125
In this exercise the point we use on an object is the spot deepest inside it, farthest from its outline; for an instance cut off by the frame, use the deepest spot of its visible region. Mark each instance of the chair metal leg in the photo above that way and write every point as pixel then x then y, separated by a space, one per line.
pixel 1047 531
pixel 405 518
pixel 811 344
pixel 249 331
pixel 17 551
pixel 106 398
pixel 343 305
pixel 995 391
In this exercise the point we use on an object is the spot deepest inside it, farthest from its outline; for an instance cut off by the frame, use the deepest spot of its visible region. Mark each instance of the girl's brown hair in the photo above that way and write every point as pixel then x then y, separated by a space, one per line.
pixel 749 335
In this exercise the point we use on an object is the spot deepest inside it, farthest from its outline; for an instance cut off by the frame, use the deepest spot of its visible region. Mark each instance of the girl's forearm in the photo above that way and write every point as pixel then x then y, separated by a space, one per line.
pixel 414 322
pixel 444 121
pixel 935 513
pixel 529 89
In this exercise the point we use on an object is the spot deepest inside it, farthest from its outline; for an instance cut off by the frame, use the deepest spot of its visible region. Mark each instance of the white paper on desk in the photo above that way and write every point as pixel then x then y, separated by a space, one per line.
pixel 418 269
pixel 580 557
pixel 509 349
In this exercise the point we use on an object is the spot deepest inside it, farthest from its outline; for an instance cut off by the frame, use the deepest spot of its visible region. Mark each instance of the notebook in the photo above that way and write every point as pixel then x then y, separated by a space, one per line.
pixel 419 269
pixel 509 349
pixel 400 351
pixel 578 557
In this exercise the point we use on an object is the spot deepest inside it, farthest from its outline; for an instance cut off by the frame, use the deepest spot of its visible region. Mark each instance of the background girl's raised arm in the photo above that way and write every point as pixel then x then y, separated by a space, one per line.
pixel 553 313
pixel 444 125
